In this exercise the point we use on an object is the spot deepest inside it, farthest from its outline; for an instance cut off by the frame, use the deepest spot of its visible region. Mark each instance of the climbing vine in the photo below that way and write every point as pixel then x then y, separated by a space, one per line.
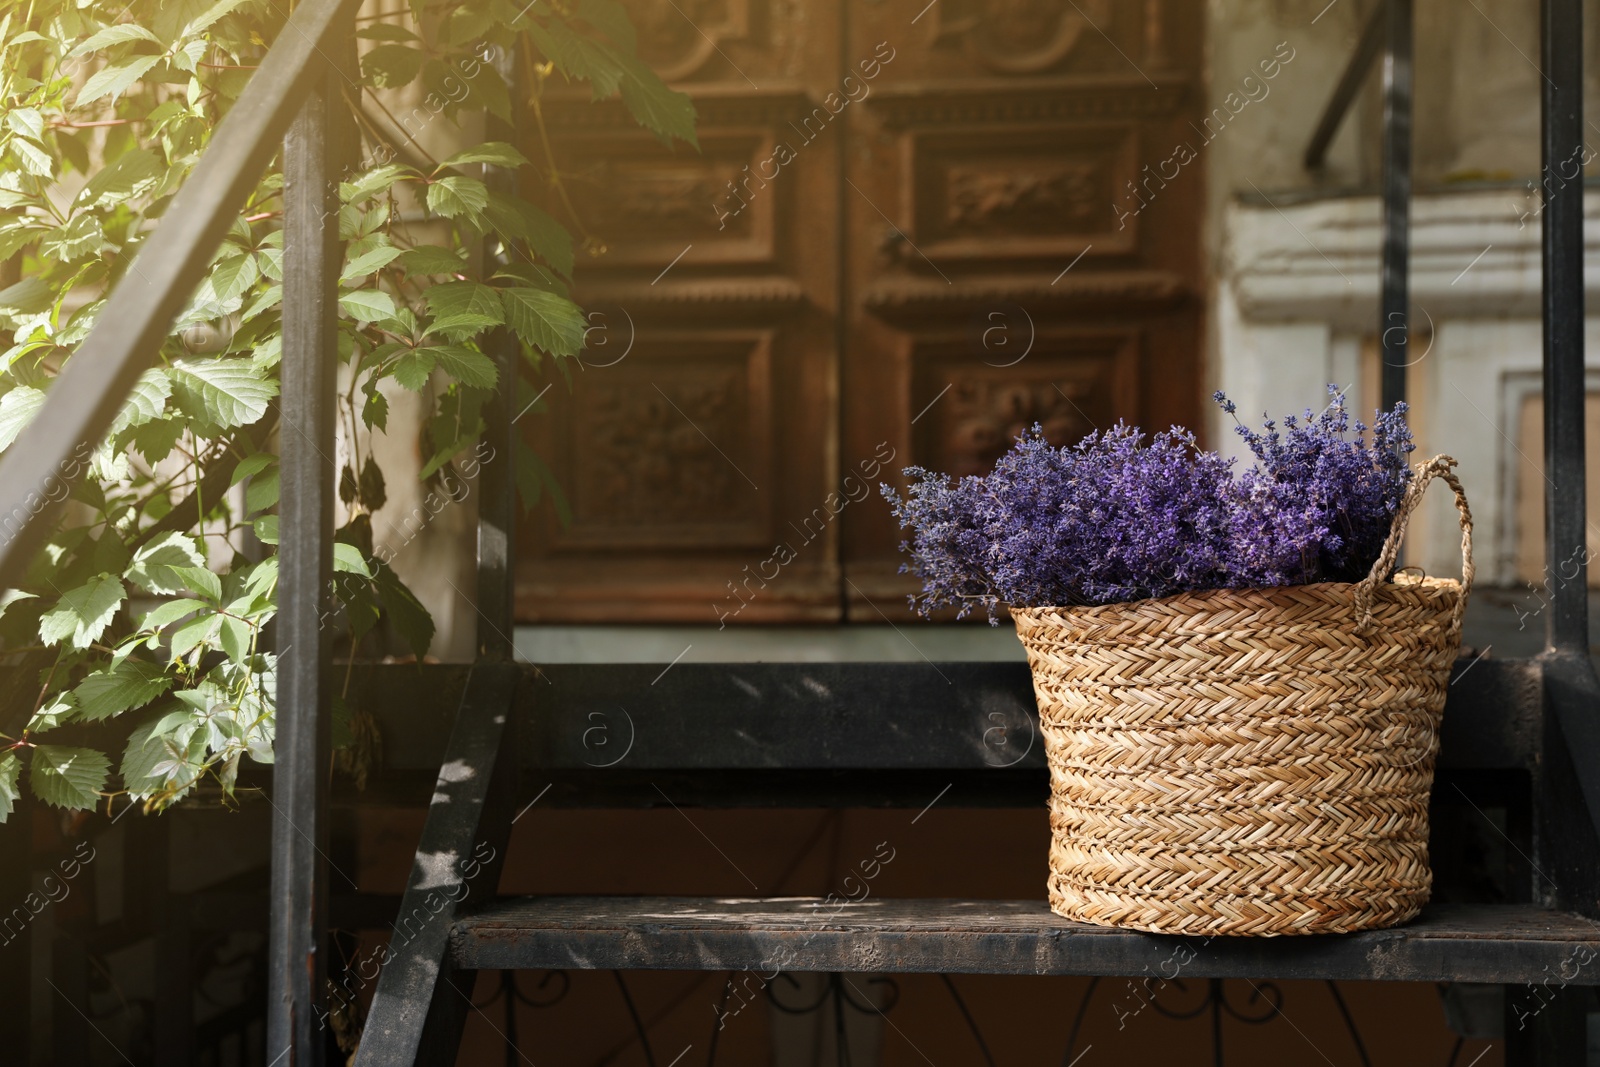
pixel 134 652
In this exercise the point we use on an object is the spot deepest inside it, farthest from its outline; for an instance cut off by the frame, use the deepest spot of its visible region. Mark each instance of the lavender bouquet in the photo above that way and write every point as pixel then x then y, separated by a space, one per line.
pixel 1115 518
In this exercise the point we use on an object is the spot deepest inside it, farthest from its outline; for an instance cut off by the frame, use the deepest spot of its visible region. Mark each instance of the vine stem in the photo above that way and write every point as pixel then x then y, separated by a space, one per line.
pixel 45 689
pixel 540 72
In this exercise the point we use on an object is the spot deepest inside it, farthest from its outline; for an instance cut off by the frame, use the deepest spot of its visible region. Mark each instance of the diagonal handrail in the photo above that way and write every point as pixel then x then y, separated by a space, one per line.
pixel 1389 30
pixel 1344 94
pixel 95 382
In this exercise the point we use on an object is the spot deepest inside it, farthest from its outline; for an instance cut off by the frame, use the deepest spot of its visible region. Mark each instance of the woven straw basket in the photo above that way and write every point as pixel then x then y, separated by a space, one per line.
pixel 1249 761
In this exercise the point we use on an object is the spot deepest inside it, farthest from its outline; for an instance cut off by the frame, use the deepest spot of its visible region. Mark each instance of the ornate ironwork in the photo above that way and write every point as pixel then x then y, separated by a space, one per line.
pixel 1214 1000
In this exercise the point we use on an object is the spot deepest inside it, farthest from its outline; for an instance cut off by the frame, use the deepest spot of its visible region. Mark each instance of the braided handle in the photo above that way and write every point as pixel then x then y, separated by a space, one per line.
pixel 1437 467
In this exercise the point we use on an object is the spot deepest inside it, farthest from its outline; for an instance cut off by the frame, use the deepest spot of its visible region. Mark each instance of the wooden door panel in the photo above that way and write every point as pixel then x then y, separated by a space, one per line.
pixel 648 448
pixel 1017 192
pixel 912 231
pixel 995 274
pixel 1070 383
pixel 704 425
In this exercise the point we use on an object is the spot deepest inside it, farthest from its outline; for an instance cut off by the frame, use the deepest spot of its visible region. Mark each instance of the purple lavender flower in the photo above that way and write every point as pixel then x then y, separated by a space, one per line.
pixel 1114 518
pixel 1318 504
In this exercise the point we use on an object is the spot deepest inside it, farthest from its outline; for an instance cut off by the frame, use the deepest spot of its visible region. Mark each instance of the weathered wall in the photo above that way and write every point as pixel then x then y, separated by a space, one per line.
pixel 1294 255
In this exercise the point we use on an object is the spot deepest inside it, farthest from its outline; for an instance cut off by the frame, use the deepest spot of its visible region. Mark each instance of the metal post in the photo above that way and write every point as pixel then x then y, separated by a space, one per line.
pixel 297 930
pixel 497 484
pixel 1393 322
pixel 17 946
pixel 1561 112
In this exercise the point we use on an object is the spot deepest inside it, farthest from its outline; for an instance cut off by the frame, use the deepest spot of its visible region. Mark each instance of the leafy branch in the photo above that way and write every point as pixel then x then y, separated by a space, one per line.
pixel 135 653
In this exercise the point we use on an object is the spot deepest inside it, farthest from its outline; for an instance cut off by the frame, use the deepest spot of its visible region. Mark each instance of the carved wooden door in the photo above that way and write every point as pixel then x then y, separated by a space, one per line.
pixel 913 230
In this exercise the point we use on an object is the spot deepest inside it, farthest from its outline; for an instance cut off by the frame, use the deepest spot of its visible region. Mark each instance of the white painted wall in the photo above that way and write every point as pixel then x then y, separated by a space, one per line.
pixel 1293 256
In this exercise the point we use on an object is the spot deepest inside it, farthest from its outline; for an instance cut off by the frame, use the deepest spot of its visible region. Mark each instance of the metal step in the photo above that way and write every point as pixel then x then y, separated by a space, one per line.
pixel 1447 943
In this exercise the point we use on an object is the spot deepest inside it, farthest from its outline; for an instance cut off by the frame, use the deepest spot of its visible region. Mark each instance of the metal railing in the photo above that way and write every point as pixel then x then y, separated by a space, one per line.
pixel 295 90
pixel 1388 31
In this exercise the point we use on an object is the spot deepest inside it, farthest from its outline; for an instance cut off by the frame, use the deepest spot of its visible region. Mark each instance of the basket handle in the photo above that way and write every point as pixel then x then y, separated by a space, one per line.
pixel 1437 467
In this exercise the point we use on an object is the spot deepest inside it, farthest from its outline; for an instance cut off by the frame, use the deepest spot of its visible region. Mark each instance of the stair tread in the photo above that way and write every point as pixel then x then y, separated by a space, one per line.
pixel 1512 943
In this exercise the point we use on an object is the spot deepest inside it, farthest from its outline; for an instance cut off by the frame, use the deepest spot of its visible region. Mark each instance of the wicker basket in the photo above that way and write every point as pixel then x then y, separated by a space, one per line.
pixel 1249 761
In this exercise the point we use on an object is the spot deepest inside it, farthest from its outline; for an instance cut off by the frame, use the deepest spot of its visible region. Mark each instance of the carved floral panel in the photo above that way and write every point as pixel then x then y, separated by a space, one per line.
pixel 667 446
pixel 1021 193
pixel 645 204
pixel 974 402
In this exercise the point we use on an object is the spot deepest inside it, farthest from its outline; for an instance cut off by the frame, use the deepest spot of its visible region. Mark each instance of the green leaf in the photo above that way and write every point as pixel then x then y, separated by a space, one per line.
pixel 259 578
pixel 78 239
pixel 83 613
pixel 665 112
pixel 190 54
pixel 250 466
pixel 116 34
pixel 473 369
pixel 29 296
pixel 373 494
pixel 468 367
pixel 27 122
pixel 232 275
pixel 413 367
pixel 544 320
pixel 410 619
pixel 580 58
pixel 461 309
pixel 121 687
pixel 368 262
pixel 132 174
pixel 156 438
pixel 17 234
pixel 10 767
pixel 269 297
pixel 263 491
pixel 375 412
pixel 35 160
pixel 368 305
pixel 512 217
pixel 455 196
pixel 467 23
pixel 157 567
pixel 462 327
pixel 221 393
pixel 157 754
pixel 233 634
pixel 147 400
pixel 165 615
pixel 611 19
pixel 56 711
pixel 431 259
pixel 391 66
pixel 17 409
pixel 266 529
pixel 198 631
pixel 386 31
pixel 68 777
pixel 211 15
pixel 374 181
pixel 114 79
pixel 202 581
pixel 494 153
pixel 347 559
